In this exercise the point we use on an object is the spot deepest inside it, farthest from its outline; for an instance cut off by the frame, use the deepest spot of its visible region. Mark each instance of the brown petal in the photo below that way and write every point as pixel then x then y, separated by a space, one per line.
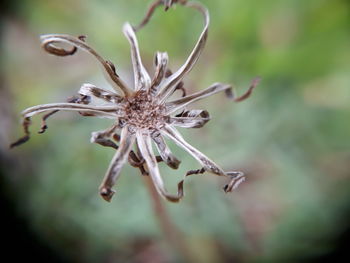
pixel 48 43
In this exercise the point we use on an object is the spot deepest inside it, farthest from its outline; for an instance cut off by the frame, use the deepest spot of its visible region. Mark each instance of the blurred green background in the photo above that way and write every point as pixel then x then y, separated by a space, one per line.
pixel 291 138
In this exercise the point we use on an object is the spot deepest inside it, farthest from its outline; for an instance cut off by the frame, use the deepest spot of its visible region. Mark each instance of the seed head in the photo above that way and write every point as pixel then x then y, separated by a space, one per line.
pixel 141 114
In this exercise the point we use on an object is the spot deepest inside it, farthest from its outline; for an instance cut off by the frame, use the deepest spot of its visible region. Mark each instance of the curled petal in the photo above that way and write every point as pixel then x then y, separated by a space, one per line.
pixel 104 137
pixel 175 105
pixel 205 162
pixel 190 119
pixel 208 165
pixel 170 83
pixel 148 15
pixel 164 151
pixel 102 111
pixel 144 143
pixel 126 142
pixel 108 111
pixel 230 94
pixel 43 120
pixel 49 41
pixel 142 79
pixel 161 63
pixel 236 179
pixel 61 52
pixel 167 4
pixel 106 95
pixel 26 122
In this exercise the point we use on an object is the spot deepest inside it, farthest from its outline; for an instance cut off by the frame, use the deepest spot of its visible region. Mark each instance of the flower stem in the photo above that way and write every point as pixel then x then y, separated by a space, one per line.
pixel 174 236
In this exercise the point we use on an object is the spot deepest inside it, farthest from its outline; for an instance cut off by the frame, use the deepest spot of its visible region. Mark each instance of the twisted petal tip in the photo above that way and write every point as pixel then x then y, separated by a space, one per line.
pixel 107 194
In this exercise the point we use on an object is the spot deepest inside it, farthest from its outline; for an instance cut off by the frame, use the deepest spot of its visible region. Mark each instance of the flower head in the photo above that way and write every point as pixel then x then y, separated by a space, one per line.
pixel 142 114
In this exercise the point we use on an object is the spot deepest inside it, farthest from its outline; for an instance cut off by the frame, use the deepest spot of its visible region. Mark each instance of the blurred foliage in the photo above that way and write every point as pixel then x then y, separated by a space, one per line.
pixel 291 137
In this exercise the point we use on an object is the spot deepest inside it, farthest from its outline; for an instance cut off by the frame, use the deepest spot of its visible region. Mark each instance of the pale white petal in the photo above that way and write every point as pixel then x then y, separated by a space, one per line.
pixel 205 162
pixel 144 143
pixel 177 104
pixel 161 63
pixel 142 79
pixel 100 110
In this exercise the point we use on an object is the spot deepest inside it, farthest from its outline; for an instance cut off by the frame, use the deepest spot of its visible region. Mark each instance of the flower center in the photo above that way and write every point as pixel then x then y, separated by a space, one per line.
pixel 143 111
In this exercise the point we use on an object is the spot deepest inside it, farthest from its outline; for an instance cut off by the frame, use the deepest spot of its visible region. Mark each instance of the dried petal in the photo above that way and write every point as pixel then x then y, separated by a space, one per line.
pixel 25 123
pixel 175 105
pixel 44 126
pixel 113 172
pixel 48 42
pixel 190 119
pixel 142 79
pixel 161 63
pixel 236 179
pixel 149 14
pixel 170 84
pixel 167 4
pixel 144 143
pixel 164 151
pixel 208 164
pixel 108 111
pixel 104 137
pixel 230 94
pixel 88 89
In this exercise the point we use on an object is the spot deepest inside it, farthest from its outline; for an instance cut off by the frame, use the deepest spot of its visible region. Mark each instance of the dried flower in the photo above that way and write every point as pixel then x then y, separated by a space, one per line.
pixel 142 114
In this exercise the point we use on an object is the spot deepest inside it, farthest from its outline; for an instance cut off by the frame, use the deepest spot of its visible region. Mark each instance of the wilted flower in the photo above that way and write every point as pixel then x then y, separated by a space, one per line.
pixel 141 114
